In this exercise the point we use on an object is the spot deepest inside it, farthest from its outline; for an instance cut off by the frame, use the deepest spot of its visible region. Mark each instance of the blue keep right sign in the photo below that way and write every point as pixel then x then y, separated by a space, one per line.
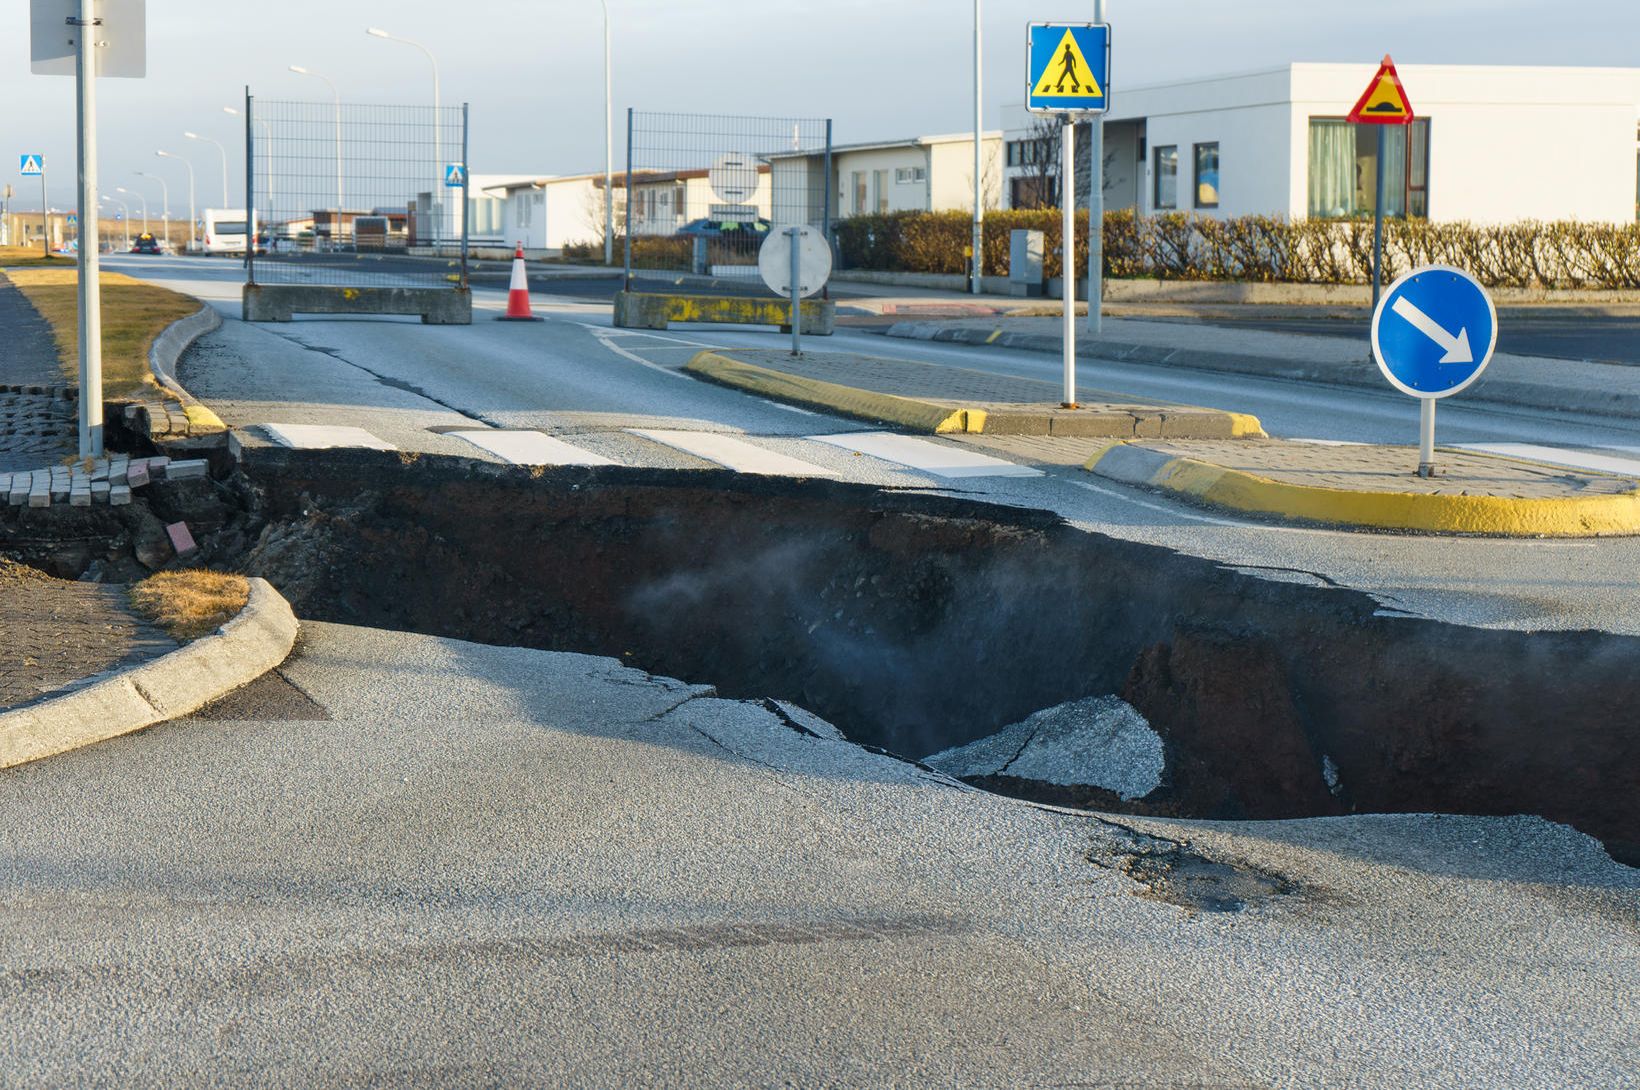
pixel 1434 331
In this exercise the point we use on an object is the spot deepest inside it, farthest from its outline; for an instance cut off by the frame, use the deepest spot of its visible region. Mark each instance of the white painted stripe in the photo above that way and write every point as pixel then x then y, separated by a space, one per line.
pixel 322 436
pixel 603 339
pixel 735 454
pixel 926 455
pixel 1328 442
pixel 531 448
pixel 1577 459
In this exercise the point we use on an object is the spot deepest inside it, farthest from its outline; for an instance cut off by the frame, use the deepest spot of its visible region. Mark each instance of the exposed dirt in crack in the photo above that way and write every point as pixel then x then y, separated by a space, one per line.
pixel 916 623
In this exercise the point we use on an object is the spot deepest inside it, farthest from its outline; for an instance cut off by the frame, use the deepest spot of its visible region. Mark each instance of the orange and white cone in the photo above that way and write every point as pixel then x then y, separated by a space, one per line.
pixel 518 293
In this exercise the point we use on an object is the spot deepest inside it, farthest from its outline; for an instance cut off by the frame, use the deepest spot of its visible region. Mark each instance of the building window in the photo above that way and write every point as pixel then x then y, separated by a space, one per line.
pixel 860 197
pixel 1343 169
pixel 1207 175
pixel 879 182
pixel 1166 193
pixel 908 175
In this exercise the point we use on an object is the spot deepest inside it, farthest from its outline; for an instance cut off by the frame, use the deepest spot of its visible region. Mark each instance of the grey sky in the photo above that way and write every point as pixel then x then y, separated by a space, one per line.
pixel 533 70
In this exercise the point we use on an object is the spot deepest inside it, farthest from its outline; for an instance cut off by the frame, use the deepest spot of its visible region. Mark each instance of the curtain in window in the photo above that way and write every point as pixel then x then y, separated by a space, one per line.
pixel 1395 170
pixel 1332 168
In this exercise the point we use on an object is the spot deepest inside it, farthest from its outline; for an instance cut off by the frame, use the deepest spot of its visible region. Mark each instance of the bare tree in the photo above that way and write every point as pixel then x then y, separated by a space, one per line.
pixel 1039 186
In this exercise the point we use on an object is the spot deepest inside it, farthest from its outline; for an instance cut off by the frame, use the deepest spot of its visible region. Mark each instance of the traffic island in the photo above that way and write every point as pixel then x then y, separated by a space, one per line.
pixel 947 400
pixel 1376 487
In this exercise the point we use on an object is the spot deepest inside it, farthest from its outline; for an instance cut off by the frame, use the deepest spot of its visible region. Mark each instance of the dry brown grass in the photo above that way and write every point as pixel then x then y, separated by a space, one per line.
pixel 30 256
pixel 193 603
pixel 133 314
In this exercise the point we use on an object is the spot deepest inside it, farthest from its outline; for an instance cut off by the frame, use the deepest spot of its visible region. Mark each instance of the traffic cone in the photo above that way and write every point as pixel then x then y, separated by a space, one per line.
pixel 518 293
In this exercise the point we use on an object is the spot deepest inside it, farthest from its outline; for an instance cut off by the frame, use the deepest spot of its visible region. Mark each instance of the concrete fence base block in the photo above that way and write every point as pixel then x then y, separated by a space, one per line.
pixel 655 310
pixel 280 302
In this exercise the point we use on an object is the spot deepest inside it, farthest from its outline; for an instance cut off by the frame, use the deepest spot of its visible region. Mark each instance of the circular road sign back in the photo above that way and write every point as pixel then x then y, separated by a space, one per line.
pixel 774 260
pixel 1434 331
pixel 733 177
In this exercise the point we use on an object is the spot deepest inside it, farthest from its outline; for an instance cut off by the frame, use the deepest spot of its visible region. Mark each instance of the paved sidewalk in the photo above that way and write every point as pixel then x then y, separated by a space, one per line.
pixel 59 633
pixel 38 413
pixel 940 398
pixel 1532 381
pixel 1377 487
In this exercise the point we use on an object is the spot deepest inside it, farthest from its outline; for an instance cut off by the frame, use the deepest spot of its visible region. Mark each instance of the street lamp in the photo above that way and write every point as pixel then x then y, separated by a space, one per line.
pixel 267 149
pixel 193 214
pixel 609 138
pixel 224 151
pixel 438 149
pixel 165 202
pixel 336 228
pixel 127 208
pixel 140 197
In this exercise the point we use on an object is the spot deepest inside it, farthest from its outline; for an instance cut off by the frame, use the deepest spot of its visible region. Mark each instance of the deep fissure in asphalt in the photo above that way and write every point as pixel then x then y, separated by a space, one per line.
pixel 917 623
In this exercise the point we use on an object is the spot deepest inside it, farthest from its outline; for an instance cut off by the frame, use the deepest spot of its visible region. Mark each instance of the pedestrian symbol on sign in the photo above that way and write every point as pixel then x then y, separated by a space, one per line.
pixel 31 164
pixel 455 175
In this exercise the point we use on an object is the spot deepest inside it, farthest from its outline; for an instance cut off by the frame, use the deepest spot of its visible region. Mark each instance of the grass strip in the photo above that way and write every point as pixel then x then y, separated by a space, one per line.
pixel 191 603
pixel 134 313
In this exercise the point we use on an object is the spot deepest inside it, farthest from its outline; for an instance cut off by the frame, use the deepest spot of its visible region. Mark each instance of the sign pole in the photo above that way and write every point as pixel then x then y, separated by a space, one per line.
pixel 91 420
pixel 1096 209
pixel 1378 225
pixel 1067 252
pixel 45 215
pixel 795 234
pixel 1426 437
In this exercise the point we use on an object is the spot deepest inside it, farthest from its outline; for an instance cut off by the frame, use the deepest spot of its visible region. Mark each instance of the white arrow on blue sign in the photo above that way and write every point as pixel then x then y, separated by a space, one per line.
pixel 1434 331
pixel 31 164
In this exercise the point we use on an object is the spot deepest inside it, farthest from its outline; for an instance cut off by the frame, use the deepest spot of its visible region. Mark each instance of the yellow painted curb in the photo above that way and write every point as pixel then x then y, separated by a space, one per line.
pixel 905 411
pixel 1501 516
pixel 202 421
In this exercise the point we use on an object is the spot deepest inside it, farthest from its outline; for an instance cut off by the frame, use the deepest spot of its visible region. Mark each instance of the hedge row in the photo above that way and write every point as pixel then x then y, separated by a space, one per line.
pixel 1177 246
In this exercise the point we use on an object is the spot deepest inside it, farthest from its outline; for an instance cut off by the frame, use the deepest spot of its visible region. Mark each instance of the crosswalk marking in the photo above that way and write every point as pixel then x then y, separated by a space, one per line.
pixel 733 453
pixel 926 455
pixel 323 437
pixel 1577 459
pixel 531 448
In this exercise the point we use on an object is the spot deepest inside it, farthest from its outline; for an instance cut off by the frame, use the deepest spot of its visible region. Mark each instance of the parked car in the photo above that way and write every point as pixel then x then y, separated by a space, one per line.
pixel 145 244
pixel 731 229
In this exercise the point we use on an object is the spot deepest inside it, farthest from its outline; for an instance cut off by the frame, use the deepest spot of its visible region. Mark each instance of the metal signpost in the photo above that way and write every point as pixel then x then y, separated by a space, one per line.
pixel 86 39
pixel 1068 67
pixel 36 164
pixel 1384 102
pixel 795 262
pixel 1433 333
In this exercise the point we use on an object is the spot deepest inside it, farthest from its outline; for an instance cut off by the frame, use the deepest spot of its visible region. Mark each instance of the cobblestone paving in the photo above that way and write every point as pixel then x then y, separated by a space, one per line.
pixel 38 423
pixel 58 632
pixel 1394 469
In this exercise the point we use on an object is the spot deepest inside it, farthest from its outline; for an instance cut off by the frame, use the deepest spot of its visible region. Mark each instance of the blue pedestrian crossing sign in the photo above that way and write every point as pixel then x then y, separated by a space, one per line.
pixel 1434 331
pixel 455 175
pixel 1068 68
pixel 31 164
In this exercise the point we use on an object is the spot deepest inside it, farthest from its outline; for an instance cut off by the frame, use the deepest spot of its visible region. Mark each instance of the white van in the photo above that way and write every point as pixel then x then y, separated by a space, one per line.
pixel 224 231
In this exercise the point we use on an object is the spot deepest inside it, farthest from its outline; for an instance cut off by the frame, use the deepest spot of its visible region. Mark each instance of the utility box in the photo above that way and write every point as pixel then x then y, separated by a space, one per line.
pixel 1025 249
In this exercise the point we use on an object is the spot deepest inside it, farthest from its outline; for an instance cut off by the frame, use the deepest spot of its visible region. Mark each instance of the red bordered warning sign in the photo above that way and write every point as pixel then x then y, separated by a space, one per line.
pixel 1384 102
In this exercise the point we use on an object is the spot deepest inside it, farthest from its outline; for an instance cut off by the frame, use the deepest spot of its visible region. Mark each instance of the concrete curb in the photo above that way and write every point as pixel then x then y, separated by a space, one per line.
pixel 944 418
pixel 183 418
pixel 1489 388
pixel 241 651
pixel 1249 493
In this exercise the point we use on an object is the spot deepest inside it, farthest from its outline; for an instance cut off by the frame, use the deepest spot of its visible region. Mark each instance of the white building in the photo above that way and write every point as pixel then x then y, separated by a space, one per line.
pixel 546 214
pixel 1490 144
pixel 920 174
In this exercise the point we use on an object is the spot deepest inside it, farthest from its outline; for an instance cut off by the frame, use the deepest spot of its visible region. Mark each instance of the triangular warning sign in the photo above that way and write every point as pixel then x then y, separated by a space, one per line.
pixel 1385 101
pixel 1068 74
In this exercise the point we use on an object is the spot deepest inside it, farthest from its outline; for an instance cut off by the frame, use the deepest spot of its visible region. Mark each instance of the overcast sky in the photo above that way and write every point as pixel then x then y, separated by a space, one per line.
pixel 532 69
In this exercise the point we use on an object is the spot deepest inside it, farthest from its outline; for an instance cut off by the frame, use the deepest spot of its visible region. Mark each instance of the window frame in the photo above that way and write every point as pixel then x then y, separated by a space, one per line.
pixel 1156 178
pixel 1196 174
pixel 1408 190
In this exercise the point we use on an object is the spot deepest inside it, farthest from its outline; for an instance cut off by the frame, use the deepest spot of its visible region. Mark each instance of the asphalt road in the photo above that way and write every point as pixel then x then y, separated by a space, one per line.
pixel 1598 338
pixel 408 861
pixel 578 380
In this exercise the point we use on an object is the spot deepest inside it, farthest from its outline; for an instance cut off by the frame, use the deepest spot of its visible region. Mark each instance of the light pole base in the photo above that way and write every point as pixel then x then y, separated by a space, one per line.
pixel 1428 469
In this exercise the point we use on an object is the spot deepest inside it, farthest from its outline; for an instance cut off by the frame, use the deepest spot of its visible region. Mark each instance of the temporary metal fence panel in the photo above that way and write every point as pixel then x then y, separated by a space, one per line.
pixel 701 192
pixel 355 196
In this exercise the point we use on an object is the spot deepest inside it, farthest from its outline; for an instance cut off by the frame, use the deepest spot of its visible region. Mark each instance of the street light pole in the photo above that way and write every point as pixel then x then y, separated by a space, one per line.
pixel 165 202
pixel 140 197
pixel 337 95
pixel 979 177
pixel 1096 207
pixel 224 151
pixel 193 212
pixel 609 140
pixel 438 144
